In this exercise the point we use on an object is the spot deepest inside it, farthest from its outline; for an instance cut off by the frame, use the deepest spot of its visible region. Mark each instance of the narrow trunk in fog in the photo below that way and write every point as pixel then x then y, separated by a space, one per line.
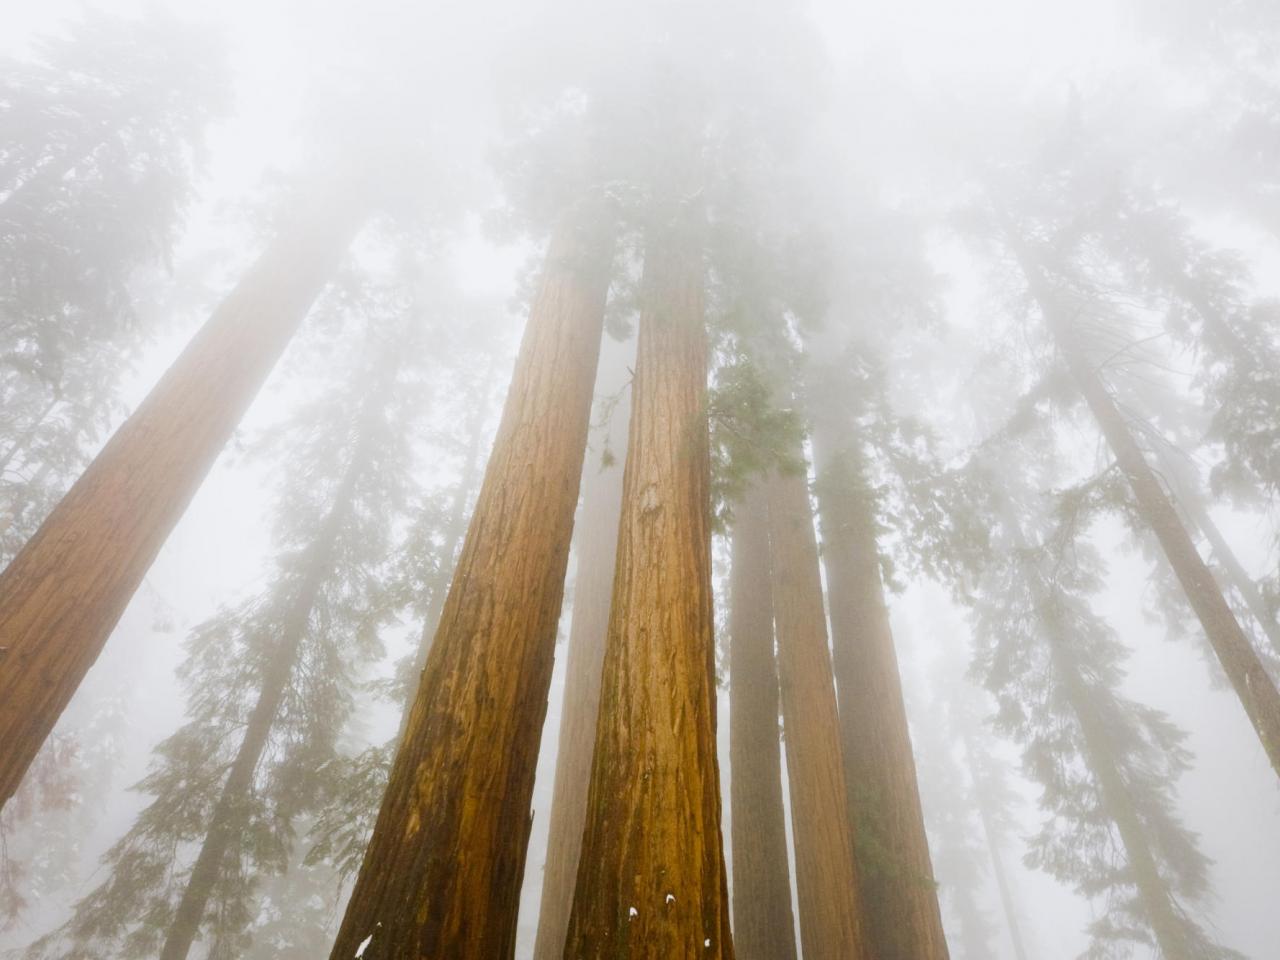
pixel 763 924
pixel 651 877
pixel 992 836
pixel 227 821
pixel 62 595
pixel 441 876
pixel 898 889
pixel 1252 684
pixel 832 922
pixel 1162 912
pixel 1237 576
pixel 597 531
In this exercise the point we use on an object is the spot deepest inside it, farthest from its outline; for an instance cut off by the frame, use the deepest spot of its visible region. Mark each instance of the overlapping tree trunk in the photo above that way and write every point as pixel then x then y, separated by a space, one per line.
pixel 66 589
pixel 898 889
pixel 597 532
pixel 441 876
pixel 651 878
pixel 763 923
pixel 832 921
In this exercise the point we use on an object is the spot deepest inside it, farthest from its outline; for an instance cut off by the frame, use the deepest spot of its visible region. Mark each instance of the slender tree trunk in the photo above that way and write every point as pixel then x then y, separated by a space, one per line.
pixel 228 813
pixel 1240 662
pixel 992 836
pixel 651 878
pixel 441 876
pixel 827 885
pixel 597 531
pixel 1157 900
pixel 763 924
pixel 898 888
pixel 1237 576
pixel 62 595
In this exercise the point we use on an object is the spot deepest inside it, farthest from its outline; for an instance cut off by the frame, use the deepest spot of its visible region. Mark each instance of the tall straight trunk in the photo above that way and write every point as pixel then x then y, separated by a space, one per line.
pixel 651 877
pixel 597 532
pixel 763 924
pixel 832 923
pixel 1162 913
pixel 992 836
pixel 227 819
pixel 1239 660
pixel 1237 576
pixel 441 875
pixel 1158 904
pixel 63 593
pixel 898 889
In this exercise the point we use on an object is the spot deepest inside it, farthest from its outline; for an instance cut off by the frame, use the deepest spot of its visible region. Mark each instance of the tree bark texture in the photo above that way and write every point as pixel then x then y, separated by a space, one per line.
pixel 441 876
pixel 763 922
pixel 832 923
pixel 597 534
pixel 66 589
pixel 651 878
pixel 898 888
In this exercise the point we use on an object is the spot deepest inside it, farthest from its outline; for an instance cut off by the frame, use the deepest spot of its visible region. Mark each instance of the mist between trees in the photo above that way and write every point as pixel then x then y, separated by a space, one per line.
pixel 640 480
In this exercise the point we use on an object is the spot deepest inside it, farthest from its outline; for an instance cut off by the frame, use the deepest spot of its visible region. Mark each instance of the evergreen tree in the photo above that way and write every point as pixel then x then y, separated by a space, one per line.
pixel 270 681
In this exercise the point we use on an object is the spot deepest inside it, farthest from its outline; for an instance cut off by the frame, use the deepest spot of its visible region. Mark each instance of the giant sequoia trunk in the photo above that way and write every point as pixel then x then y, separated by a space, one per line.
pixel 651 878
pixel 597 532
pixel 763 924
pixel 63 593
pixel 832 923
pixel 441 876
pixel 898 890
pixel 1239 660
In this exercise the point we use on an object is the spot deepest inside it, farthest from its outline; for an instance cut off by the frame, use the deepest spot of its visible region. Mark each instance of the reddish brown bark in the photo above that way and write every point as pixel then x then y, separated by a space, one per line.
pixel 597 532
pixel 651 877
pixel 1240 662
pixel 899 893
pixel 763 923
pixel 62 595
pixel 441 876
pixel 828 891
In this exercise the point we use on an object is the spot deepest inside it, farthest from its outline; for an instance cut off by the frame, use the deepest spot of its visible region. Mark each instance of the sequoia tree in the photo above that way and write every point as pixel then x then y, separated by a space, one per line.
pixel 763 923
pixel 900 897
pixel 597 538
pixel 651 875
pixel 442 873
pixel 62 595
pixel 833 923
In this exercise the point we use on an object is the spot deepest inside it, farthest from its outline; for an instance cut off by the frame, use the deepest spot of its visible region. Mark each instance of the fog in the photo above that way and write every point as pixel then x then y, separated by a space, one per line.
pixel 425 425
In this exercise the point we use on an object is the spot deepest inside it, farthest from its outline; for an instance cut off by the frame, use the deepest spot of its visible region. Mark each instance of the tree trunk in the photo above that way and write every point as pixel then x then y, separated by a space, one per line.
pixel 1157 901
pixel 1254 687
pixel 898 888
pixel 992 836
pixel 651 879
pixel 597 531
pixel 763 924
pixel 832 924
pixel 441 876
pixel 1237 576
pixel 227 819
pixel 62 595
